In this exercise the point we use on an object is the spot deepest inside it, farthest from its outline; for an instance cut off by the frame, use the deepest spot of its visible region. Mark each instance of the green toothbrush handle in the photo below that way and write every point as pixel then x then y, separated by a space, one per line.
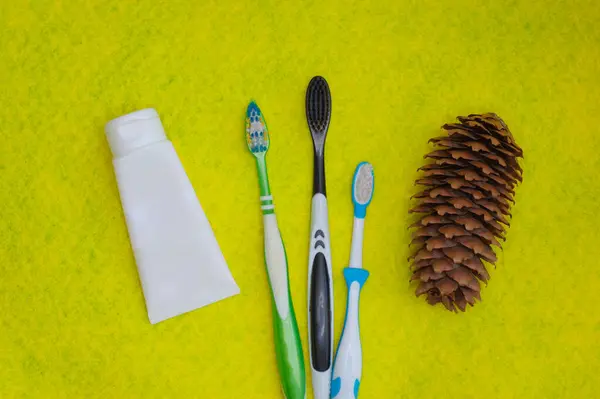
pixel 288 347
pixel 290 359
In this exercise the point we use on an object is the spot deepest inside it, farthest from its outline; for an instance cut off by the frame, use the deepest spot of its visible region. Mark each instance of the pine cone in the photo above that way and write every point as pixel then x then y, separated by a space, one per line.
pixel 469 188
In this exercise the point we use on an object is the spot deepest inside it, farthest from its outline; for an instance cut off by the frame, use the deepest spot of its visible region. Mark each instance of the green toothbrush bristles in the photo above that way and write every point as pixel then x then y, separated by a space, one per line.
pixel 257 134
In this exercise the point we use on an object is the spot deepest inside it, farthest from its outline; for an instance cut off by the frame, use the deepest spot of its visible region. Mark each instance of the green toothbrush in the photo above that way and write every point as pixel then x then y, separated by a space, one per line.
pixel 288 348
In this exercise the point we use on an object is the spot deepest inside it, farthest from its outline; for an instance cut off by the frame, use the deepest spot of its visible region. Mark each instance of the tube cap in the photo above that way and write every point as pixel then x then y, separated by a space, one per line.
pixel 135 130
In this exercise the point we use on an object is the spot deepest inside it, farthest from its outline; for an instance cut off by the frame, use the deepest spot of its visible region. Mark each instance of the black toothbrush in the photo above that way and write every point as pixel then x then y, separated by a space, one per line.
pixel 320 285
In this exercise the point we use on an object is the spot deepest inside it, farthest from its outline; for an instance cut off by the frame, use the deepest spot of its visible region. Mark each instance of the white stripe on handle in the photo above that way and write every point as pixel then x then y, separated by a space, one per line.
pixel 276 264
pixel 321 383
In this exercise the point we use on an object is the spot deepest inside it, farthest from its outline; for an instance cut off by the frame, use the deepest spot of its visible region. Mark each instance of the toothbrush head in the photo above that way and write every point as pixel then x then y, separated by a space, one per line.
pixel 257 134
pixel 318 111
pixel 363 185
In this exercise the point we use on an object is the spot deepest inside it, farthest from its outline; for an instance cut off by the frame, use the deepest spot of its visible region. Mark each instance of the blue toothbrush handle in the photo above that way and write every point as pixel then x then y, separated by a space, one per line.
pixel 347 367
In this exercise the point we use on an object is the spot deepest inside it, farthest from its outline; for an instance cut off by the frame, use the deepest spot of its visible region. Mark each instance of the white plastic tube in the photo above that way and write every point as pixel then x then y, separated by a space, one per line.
pixel 180 265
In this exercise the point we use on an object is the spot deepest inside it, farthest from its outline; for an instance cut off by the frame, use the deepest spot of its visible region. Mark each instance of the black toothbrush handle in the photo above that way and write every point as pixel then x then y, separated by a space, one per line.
pixel 319 186
pixel 320 314
pixel 320 299
pixel 320 285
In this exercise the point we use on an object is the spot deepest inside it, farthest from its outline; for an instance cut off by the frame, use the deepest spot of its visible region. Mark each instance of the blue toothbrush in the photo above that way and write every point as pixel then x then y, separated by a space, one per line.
pixel 347 367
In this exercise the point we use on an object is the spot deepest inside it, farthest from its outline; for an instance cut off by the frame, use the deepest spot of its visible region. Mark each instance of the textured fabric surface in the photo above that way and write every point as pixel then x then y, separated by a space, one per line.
pixel 72 317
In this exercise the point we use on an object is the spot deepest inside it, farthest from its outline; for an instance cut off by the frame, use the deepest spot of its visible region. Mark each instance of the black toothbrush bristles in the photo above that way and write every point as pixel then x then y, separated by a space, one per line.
pixel 318 111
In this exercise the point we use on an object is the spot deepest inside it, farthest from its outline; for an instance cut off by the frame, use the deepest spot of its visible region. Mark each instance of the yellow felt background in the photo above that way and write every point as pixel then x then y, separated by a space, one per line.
pixel 72 318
